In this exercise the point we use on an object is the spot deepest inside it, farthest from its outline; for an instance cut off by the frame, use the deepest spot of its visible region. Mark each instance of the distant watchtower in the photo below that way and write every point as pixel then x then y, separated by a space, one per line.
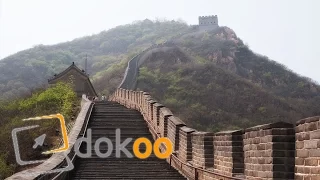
pixel 208 22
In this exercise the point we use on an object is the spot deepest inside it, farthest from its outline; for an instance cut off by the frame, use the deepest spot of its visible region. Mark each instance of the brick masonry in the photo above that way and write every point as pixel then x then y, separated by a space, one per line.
pixel 307 158
pixel 202 149
pixel 228 153
pixel 270 151
pixel 174 125
pixel 156 112
pixel 165 113
pixel 150 103
pixel 185 146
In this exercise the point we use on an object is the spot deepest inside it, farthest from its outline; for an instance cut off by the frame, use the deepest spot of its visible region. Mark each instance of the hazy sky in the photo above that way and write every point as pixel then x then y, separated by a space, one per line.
pixel 287 31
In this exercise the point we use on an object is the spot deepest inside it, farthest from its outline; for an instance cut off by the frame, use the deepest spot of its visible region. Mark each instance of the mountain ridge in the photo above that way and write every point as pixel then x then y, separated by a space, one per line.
pixel 248 86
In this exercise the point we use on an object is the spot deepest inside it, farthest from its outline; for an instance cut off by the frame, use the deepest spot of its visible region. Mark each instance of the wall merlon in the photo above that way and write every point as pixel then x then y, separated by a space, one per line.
pixel 187 129
pixel 228 152
pixel 185 144
pixel 165 113
pixel 151 101
pixel 176 121
pixel 234 132
pixel 269 126
pixel 174 125
pixel 269 144
pixel 202 149
pixel 308 120
pixel 156 115
pixel 307 144
pixel 146 93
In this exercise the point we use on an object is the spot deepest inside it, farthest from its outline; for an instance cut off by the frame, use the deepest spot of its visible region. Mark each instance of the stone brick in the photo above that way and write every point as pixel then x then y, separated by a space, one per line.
pixel 311 162
pixel 311 144
pixel 315 134
pixel 311 126
pixel 314 152
pixel 299 161
pixel 299 144
pixel 302 136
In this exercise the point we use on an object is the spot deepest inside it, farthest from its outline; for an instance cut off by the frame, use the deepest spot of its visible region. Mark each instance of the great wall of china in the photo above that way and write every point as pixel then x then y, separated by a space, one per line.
pixel 270 151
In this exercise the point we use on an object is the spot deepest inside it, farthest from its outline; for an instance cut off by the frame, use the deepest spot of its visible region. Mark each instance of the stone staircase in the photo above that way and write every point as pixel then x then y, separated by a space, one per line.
pixel 105 119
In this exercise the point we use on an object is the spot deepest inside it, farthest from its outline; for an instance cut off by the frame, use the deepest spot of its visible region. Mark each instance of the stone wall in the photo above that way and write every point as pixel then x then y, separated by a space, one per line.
pixel 270 151
pixel 202 149
pixel 129 80
pixel 174 126
pixel 165 113
pixel 185 146
pixel 207 23
pixel 193 150
pixel 307 159
pixel 156 113
pixel 228 153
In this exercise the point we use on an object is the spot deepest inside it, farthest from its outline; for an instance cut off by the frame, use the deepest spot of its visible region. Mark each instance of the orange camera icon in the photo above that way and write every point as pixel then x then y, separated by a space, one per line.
pixel 63 131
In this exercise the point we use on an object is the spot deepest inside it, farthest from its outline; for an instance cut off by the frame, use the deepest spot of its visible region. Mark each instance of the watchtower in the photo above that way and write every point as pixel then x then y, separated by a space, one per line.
pixel 79 79
pixel 208 22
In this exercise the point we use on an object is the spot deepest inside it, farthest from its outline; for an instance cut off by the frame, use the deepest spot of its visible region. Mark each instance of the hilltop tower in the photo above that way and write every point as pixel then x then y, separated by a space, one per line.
pixel 207 23
pixel 79 78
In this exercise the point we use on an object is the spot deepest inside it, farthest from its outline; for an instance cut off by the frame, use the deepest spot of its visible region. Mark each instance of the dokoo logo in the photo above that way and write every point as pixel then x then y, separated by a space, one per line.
pixel 118 147
pixel 39 142
pixel 121 146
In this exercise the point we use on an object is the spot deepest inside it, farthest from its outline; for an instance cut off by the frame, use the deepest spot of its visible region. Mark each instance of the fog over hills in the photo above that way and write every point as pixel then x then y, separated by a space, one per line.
pixel 223 79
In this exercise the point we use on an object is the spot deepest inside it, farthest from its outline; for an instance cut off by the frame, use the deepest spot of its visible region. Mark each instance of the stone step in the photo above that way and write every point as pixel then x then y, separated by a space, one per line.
pixel 105 119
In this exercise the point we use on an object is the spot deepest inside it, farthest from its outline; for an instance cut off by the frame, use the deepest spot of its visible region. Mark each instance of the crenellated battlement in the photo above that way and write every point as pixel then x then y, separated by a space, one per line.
pixel 271 151
pixel 212 16
pixel 208 22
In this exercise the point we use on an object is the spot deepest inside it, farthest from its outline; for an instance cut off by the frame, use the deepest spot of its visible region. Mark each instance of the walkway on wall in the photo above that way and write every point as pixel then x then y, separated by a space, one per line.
pixel 105 119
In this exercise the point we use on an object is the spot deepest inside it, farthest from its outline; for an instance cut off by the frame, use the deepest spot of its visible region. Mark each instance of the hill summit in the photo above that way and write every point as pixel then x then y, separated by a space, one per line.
pixel 208 78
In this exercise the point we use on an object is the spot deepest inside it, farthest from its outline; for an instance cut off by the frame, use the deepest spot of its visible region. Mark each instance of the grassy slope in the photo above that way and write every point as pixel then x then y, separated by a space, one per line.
pixel 214 92
pixel 58 99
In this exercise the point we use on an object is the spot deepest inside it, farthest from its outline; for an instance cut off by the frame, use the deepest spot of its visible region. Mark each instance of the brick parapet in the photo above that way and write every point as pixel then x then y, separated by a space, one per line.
pixel 150 103
pixel 307 160
pixel 202 149
pixel 156 113
pixel 269 151
pixel 228 152
pixel 145 99
pixel 185 144
pixel 174 125
pixel 165 113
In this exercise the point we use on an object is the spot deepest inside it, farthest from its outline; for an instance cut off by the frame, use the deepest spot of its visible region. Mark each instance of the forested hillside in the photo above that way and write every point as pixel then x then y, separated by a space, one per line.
pixel 210 79
pixel 31 68
pixel 224 85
